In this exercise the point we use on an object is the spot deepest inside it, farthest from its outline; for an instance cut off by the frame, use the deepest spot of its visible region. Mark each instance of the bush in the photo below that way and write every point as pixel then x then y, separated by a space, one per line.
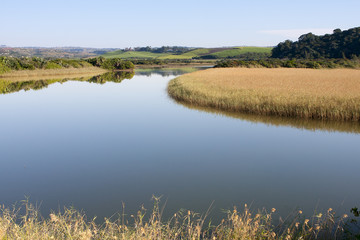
pixel 52 65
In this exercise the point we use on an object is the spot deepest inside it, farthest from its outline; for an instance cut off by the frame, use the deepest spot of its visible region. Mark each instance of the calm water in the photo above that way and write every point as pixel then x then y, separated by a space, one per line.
pixel 95 146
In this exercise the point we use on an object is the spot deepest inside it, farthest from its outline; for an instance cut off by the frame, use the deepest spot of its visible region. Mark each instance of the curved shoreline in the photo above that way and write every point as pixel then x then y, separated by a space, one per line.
pixel 300 93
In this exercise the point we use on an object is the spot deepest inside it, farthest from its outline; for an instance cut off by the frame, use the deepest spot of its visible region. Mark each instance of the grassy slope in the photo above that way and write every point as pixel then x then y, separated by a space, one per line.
pixel 241 50
pixel 226 52
pixel 128 55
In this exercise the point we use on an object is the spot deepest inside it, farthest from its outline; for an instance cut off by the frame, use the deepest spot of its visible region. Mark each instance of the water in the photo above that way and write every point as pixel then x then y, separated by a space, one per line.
pixel 93 146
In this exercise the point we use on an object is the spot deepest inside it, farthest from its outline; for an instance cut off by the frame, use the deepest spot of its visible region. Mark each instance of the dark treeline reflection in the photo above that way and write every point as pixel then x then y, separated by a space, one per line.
pixel 116 77
pixel 8 86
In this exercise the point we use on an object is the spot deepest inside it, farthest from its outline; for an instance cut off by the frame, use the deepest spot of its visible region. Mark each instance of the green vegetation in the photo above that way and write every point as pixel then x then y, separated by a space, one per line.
pixel 239 52
pixel 8 64
pixel 26 223
pixel 303 93
pixel 291 63
pixel 8 86
pixel 187 53
pixel 133 54
pixel 340 44
pixel 111 64
pixel 26 63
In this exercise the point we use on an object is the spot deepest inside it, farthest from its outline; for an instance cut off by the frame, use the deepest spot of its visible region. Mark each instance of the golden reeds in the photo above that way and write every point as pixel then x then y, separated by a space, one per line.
pixel 306 93
pixel 71 224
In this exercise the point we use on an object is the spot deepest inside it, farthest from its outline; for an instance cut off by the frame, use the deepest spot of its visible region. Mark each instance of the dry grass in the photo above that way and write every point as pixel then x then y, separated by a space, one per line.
pixel 34 74
pixel 306 93
pixel 71 224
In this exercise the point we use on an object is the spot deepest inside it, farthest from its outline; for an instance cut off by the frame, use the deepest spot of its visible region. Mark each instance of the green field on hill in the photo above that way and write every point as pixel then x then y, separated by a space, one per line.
pixel 196 53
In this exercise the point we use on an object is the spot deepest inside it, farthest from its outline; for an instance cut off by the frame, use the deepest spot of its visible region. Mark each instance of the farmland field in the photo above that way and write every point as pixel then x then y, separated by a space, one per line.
pixel 217 52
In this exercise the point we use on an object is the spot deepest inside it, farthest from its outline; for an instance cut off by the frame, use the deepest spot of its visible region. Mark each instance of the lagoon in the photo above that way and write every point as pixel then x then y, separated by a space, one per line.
pixel 94 146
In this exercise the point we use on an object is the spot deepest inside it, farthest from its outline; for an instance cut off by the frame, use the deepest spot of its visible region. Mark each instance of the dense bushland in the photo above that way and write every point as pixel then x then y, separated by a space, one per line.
pixel 31 63
pixel 340 44
pixel 111 63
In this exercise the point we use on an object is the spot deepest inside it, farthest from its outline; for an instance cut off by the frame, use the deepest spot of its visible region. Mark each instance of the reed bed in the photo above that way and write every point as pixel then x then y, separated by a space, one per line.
pixel 326 94
pixel 30 74
pixel 26 223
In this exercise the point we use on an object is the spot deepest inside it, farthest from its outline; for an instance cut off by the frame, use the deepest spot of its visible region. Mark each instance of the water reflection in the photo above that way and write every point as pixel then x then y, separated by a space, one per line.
pixel 11 86
pixel 167 72
pixel 306 124
pixel 95 146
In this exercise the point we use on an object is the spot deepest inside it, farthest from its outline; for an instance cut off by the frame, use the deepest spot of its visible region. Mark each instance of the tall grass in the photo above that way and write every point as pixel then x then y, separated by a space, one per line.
pixel 304 93
pixel 26 223
pixel 15 75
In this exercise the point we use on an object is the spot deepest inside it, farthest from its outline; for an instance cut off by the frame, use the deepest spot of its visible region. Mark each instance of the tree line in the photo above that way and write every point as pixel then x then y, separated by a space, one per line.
pixel 340 44
pixel 31 63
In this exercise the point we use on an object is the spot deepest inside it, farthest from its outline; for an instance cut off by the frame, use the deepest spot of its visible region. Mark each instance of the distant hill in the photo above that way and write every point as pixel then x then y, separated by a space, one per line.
pixel 55 52
pixel 198 53
pixel 340 44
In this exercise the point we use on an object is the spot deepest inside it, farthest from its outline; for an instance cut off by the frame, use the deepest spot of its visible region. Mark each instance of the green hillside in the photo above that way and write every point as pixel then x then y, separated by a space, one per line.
pixel 133 54
pixel 241 50
pixel 210 53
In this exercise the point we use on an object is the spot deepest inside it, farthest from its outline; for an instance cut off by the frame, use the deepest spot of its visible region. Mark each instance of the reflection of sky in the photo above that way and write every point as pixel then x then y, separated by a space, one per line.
pixel 167 72
pixel 94 146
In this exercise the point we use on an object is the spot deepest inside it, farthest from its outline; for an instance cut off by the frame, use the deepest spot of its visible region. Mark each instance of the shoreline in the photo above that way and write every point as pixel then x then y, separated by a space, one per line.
pixel 299 93
pixel 13 75
pixel 235 224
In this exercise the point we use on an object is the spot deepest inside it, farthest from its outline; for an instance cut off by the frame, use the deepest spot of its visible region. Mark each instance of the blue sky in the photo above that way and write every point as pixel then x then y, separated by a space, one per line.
pixel 197 23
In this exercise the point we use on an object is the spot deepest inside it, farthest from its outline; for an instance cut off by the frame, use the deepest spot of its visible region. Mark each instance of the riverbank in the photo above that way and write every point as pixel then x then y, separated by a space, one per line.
pixel 22 75
pixel 72 224
pixel 302 93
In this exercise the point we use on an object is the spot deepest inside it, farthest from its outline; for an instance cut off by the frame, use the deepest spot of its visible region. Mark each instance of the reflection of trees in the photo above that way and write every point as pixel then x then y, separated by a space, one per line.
pixel 116 77
pixel 7 86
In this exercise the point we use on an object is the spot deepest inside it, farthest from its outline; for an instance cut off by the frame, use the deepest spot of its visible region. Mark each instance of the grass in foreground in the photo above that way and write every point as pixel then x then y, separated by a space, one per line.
pixel 305 93
pixel 71 224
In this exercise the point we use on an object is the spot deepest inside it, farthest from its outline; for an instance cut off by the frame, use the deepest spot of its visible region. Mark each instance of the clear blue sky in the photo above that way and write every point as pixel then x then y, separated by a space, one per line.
pixel 131 23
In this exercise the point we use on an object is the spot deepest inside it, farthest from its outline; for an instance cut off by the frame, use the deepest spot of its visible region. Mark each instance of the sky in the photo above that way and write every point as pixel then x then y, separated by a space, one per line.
pixel 192 23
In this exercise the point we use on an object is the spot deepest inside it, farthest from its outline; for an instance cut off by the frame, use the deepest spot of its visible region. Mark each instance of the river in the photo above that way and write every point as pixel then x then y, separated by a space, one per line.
pixel 95 144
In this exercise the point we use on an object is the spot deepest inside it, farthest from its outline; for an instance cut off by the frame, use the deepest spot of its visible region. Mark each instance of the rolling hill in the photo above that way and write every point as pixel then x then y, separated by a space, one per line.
pixel 202 53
